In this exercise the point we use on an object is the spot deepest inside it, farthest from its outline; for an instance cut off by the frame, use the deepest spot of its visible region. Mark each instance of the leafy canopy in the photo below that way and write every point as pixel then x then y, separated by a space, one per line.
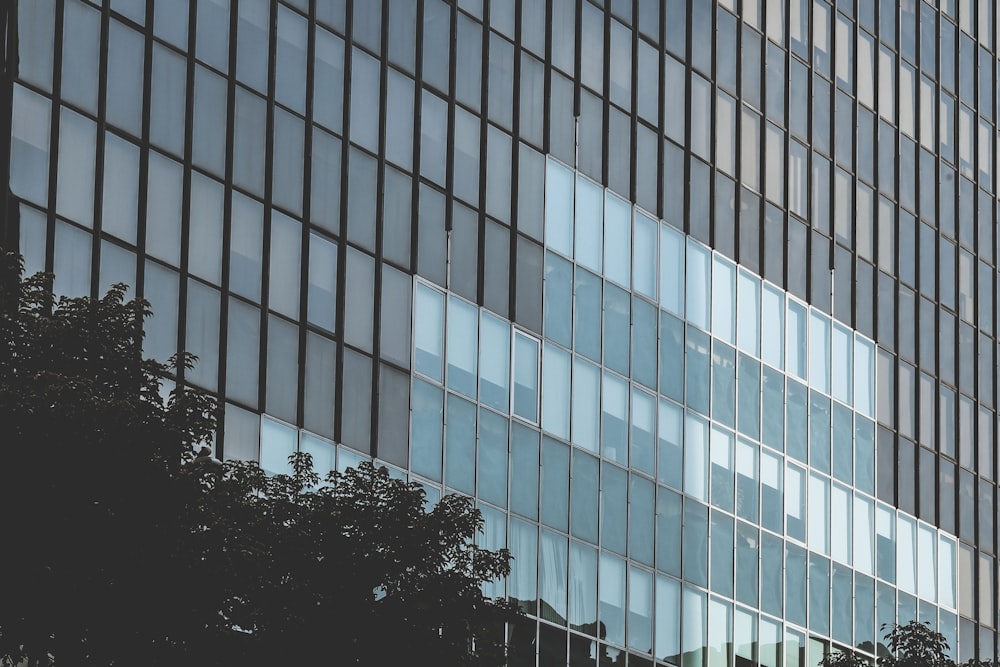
pixel 123 547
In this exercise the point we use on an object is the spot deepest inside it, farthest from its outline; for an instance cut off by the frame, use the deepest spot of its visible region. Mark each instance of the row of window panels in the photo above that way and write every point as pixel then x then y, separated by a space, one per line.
pixel 582 496
pixel 282 441
pixel 920 483
pixel 279 190
pixel 923 409
pixel 595 227
pixel 598 411
pixel 707 552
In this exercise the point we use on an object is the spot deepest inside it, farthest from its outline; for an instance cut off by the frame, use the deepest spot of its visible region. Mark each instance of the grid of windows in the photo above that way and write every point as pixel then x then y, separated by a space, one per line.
pixel 271 175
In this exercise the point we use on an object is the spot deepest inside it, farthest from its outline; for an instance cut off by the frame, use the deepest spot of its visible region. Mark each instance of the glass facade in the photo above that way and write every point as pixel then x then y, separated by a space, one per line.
pixel 696 298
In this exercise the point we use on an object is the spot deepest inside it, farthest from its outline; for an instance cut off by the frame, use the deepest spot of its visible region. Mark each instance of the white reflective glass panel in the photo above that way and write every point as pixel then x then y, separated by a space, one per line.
pixel 672 270
pixel 724 299
pixel 699 281
pixel 617 239
pixel 559 207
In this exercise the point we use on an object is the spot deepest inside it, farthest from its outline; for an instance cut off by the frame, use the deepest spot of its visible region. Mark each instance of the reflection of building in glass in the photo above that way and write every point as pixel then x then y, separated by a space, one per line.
pixel 696 298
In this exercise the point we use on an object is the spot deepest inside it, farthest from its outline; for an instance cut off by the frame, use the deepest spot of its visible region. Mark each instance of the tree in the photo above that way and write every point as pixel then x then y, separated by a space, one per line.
pixel 914 644
pixel 123 547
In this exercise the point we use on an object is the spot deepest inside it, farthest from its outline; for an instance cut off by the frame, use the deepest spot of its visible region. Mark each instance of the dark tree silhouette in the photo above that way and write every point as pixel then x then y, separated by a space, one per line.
pixel 914 644
pixel 123 547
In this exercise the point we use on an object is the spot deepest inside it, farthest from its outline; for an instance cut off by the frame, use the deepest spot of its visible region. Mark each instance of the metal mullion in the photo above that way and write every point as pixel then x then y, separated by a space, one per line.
pixel 227 232
pixel 140 233
pixel 102 93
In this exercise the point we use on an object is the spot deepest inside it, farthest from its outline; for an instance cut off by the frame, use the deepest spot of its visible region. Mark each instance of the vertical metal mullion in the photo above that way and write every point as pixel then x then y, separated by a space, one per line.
pixel 9 210
pixel 379 232
pixel 227 233
pixel 102 93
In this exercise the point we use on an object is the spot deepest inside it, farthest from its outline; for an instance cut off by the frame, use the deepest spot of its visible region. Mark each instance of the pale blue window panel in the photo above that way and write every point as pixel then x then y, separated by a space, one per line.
pixel 77 158
pixel 612 598
pixel 552 577
pixel 864 532
pixel 864 376
pixel 428 337
pixel 745 631
pixel 720 626
pixel 125 64
pixel 466 155
pixel 841 505
pixel 693 640
pixel 795 347
pixel 671 352
pixel 277 443
pixel 246 246
pixel 319 392
pixel 842 360
pixel 644 266
pixel 722 469
pixel 35 43
pixel 399 121
pixel 213 33
pixel 426 430
pixel 724 384
pixel 772 330
pixel 670 443
pixel 771 491
pixel 360 297
pixel 161 288
pixel 589 224
pixel 397 294
pixel 31 239
pixel 323 452
pixel 498 170
pixel 209 145
pixel 927 562
pixel 460 445
pixel 462 340
pixel 641 519
pixel 81 56
pixel 668 618
pixel 773 408
pixel 617 239
pixel 117 265
pixel 747 481
pixel 281 385
pixel 795 503
pixel 558 207
pixel 555 391
pixel 843 443
pixel 585 496
pixel 434 138
pixel 286 250
pixel 252 30
pixel 643 451
pixel 614 508
pixel 724 299
pixel 494 362
pixel 696 444
pixel 326 171
pixel 748 311
pixel 290 60
pixel 672 270
pixel 819 593
pixel 202 336
pixel 699 285
pixel 748 396
pixel 819 351
pixel 617 318
pixel 698 370
pixel 864 455
pixel 885 543
pixel 640 604
pixel 558 299
pixel 249 149
pixel 524 468
pixel 701 117
pixel 328 80
pixel 365 78
pixel 29 152
pixel 725 133
pixel 121 188
pixel 322 304
pixel 819 432
pixel 287 175
pixel 586 415
pixel 243 352
pixel 587 315
pixel 242 434
pixel 614 423
pixel 525 403
pixel 774 164
pixel 522 583
pixel 205 242
pixel 167 99
pixel 72 261
pixel 946 572
pixel 906 553
pixel 582 585
pixel 644 342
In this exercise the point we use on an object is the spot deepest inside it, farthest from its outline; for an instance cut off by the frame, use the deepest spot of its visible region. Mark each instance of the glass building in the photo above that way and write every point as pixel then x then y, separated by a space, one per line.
pixel 696 297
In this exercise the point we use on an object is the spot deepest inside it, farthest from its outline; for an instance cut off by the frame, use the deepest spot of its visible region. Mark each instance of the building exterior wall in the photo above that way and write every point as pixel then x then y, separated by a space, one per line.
pixel 696 298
